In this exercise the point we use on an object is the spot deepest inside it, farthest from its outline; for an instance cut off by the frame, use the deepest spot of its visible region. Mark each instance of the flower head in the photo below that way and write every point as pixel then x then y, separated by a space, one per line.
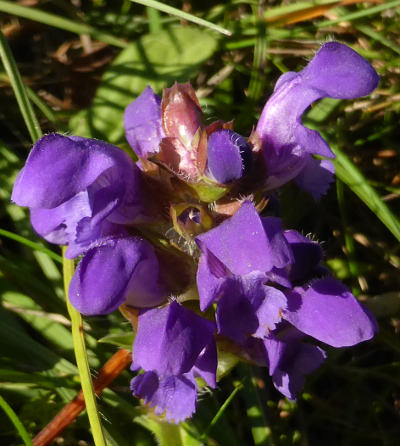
pixel 172 237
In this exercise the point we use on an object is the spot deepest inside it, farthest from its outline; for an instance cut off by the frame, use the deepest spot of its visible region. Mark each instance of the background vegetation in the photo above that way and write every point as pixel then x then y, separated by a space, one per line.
pixel 82 62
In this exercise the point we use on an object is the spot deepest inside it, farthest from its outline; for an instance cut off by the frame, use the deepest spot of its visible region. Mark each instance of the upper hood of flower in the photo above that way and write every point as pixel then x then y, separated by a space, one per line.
pixel 78 190
pixel 336 71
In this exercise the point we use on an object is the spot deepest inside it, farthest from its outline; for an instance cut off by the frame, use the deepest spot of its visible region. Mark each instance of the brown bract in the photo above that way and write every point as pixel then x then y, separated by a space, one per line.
pixel 184 149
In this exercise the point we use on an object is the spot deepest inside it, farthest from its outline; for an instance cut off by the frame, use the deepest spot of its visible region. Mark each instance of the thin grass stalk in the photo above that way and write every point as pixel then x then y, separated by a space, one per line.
pixel 19 89
pixel 56 21
pixel 355 180
pixel 221 411
pixel 366 12
pixel 348 236
pixel 255 410
pixel 16 422
pixel 30 244
pixel 81 358
pixel 182 15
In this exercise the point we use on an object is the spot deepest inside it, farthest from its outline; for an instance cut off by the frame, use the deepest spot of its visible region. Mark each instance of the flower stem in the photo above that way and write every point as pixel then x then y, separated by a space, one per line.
pixel 81 358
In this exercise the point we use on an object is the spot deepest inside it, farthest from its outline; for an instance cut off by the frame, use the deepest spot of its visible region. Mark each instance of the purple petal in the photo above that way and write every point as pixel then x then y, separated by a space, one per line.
pixel 340 72
pixel 248 307
pixel 228 156
pixel 279 276
pixel 145 385
pixel 312 142
pixel 142 122
pixel 206 364
pixel 283 165
pixel 170 339
pixel 89 229
pixel 174 395
pixel 307 255
pixel 282 254
pixel 117 271
pixel 77 188
pixel 211 279
pixel 241 242
pixel 89 236
pixel 59 167
pixel 235 315
pixel 58 225
pixel 289 363
pixel 269 311
pixel 330 313
pixel 316 177
pixel 336 71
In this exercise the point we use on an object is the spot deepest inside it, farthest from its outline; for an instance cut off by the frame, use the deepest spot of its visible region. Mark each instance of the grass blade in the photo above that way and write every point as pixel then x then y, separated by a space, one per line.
pixel 221 410
pixel 40 104
pixel 30 244
pixel 19 89
pixel 260 429
pixel 59 22
pixel 182 15
pixel 367 30
pixel 355 180
pixel 359 14
pixel 81 358
pixel 16 422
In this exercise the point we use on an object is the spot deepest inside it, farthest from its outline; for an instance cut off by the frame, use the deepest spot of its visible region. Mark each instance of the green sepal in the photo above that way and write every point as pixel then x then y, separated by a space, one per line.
pixel 209 192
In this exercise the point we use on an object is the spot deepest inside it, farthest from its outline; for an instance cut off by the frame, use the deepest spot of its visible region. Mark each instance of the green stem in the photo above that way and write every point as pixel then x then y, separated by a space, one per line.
pixel 19 89
pixel 81 358
pixel 16 422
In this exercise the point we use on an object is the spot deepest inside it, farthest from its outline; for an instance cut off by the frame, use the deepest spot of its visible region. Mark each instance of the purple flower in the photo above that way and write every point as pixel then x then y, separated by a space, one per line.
pixel 78 190
pixel 85 193
pixel 243 259
pixel 173 345
pixel 336 71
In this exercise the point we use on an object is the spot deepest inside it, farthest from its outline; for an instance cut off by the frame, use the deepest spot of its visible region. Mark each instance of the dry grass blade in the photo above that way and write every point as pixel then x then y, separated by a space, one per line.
pixel 310 13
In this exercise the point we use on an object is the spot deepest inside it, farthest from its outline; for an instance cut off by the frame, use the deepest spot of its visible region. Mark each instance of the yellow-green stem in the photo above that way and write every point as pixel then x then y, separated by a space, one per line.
pixel 81 358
